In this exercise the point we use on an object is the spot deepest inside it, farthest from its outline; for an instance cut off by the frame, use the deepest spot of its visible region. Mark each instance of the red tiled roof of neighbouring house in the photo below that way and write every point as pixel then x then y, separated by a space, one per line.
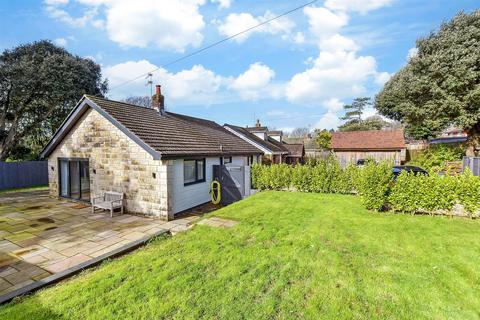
pixel 368 140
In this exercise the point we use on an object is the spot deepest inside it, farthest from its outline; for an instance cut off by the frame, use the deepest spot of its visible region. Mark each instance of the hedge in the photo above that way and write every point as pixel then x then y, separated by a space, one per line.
pixel 375 185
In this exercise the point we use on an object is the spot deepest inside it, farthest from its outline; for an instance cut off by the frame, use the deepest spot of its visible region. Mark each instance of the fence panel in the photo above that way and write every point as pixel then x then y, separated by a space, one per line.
pixel 473 163
pixel 23 174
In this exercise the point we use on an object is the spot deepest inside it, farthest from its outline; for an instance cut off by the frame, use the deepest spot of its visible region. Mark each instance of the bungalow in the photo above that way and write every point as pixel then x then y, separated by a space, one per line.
pixel 271 143
pixel 161 161
pixel 349 147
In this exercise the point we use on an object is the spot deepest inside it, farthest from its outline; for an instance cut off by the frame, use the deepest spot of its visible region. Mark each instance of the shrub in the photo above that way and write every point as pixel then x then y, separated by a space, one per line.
pixel 409 193
pixel 323 176
pixel 435 157
pixel 468 192
pixel 274 177
pixel 373 184
pixel 418 193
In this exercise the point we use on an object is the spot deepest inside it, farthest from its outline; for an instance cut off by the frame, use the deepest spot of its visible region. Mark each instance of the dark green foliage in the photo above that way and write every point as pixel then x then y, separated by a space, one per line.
pixel 354 111
pixel 370 123
pixel 441 85
pixel 323 176
pixel 433 193
pixel 435 157
pixel 40 84
pixel 373 184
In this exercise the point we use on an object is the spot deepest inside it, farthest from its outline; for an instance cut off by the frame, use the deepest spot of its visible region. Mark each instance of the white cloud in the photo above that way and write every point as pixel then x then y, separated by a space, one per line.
pixel 329 120
pixel 323 22
pixel 254 82
pixel 56 2
pixel 334 74
pixel 299 38
pixel 140 23
pixel 173 24
pixel 412 53
pixel 382 77
pixel 333 105
pixel 361 6
pixel 55 11
pixel 223 4
pixel 337 42
pixel 192 86
pixel 62 42
pixel 237 22
pixel 338 72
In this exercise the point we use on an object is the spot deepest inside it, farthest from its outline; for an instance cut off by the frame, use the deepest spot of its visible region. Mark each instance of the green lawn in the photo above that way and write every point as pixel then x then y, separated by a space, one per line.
pixel 292 256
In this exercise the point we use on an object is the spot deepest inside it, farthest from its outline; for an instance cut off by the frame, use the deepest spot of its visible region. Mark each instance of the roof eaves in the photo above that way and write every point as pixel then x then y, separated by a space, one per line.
pixel 76 114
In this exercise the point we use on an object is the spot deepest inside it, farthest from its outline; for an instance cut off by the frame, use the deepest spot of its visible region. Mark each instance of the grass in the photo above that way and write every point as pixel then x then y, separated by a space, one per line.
pixel 36 188
pixel 293 256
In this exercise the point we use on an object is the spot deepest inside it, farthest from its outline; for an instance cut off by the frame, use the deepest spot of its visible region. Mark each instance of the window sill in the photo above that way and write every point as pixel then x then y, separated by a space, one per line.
pixel 194 182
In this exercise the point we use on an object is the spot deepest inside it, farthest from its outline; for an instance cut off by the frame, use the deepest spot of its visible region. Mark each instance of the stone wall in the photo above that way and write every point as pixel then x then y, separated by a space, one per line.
pixel 120 165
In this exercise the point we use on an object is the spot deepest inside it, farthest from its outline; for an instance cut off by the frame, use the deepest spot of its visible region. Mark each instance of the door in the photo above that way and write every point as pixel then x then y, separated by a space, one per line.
pixel 74 179
pixel 232 181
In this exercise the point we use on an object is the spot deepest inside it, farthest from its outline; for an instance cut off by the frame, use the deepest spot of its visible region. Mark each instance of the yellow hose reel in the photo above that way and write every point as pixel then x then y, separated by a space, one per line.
pixel 215 189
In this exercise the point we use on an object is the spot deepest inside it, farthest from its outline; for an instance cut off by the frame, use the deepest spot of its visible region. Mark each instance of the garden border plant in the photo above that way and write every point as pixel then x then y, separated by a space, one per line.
pixel 409 193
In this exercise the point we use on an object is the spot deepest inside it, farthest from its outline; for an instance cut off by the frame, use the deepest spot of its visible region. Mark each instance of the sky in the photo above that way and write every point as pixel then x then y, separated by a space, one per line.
pixel 297 71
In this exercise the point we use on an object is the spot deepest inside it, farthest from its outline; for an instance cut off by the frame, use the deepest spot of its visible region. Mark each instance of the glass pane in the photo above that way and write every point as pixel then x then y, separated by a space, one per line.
pixel 188 171
pixel 74 180
pixel 200 165
pixel 85 180
pixel 64 178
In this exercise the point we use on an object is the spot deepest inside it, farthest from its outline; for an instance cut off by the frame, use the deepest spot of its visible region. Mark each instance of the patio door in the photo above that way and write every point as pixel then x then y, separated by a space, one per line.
pixel 74 179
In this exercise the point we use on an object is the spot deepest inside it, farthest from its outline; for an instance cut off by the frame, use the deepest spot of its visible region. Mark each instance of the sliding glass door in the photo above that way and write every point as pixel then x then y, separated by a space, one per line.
pixel 74 179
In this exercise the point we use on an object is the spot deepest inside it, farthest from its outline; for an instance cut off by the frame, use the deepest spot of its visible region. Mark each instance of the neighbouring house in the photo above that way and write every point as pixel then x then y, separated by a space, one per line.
pixel 296 153
pixel 452 135
pixel 271 143
pixel 161 161
pixel 349 147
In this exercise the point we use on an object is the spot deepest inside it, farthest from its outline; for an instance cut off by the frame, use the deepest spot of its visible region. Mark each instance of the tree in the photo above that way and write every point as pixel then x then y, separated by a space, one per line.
pixel 323 138
pixel 354 111
pixel 40 84
pixel 143 101
pixel 299 132
pixel 370 123
pixel 440 86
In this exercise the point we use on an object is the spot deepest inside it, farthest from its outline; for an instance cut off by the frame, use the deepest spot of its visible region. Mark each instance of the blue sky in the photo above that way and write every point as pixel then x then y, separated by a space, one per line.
pixel 295 72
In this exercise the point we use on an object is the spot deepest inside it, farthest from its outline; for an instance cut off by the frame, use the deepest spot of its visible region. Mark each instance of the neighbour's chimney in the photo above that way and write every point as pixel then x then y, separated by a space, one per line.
pixel 258 125
pixel 158 100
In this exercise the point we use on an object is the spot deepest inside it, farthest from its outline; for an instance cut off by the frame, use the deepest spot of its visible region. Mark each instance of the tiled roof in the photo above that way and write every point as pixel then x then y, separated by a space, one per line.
pixel 275 132
pixel 270 144
pixel 295 150
pixel 368 140
pixel 256 129
pixel 175 135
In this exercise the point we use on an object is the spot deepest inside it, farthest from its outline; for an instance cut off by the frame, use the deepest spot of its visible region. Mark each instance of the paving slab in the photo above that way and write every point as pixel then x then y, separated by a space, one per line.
pixel 42 238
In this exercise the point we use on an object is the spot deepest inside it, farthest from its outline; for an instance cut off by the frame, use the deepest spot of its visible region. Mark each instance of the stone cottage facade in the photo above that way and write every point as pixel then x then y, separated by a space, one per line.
pixel 144 153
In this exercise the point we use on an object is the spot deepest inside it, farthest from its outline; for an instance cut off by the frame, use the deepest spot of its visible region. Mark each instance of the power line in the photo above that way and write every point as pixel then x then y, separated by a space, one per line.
pixel 214 44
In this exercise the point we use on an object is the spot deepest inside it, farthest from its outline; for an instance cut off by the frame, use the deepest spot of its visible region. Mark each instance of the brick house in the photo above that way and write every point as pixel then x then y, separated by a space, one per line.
pixel 161 161
pixel 349 147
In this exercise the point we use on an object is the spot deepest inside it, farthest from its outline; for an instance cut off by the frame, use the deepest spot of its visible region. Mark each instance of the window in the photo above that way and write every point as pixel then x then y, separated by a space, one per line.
pixel 74 179
pixel 193 171
pixel 227 160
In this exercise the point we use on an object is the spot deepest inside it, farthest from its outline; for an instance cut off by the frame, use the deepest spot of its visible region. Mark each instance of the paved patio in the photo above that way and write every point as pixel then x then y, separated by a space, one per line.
pixel 40 236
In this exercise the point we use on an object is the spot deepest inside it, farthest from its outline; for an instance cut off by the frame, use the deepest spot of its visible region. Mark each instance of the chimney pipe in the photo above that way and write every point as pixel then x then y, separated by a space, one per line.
pixel 258 125
pixel 158 100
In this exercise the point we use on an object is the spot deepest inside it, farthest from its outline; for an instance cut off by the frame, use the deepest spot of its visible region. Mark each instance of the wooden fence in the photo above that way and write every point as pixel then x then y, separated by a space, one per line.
pixel 23 174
